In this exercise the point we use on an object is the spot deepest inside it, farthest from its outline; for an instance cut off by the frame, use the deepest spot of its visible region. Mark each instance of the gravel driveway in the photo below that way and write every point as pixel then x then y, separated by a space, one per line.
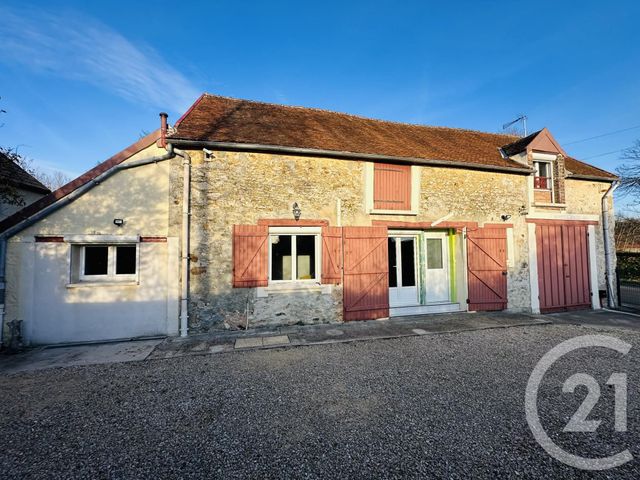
pixel 444 406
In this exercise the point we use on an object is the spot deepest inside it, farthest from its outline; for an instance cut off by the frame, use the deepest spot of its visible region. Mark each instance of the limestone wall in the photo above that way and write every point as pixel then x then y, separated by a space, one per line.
pixel 241 188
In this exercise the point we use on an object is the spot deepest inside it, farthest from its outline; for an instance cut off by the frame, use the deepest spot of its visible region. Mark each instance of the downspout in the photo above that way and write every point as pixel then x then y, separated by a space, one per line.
pixel 186 228
pixel 608 256
pixel 4 236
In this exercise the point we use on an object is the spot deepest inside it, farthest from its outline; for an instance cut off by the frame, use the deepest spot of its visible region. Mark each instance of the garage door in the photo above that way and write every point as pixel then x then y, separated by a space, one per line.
pixel 563 267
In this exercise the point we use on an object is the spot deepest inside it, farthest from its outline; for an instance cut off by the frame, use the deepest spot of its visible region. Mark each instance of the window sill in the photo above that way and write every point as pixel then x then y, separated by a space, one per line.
pixel 132 283
pixel 293 287
pixel 393 212
pixel 550 205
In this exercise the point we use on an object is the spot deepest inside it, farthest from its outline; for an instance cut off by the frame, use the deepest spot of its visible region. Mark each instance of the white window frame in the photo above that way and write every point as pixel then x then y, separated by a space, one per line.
pixel 415 192
pixel 294 231
pixel 111 275
pixel 536 166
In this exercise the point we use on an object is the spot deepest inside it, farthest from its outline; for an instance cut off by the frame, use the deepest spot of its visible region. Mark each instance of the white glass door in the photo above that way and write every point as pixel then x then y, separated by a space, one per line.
pixel 437 267
pixel 403 278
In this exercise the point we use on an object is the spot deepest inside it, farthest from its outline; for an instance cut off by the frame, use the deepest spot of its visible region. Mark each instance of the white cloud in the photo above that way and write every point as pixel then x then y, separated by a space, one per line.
pixel 78 47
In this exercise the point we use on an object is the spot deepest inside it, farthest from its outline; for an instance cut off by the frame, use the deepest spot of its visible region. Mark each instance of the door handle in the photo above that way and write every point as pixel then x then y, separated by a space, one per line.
pixel 504 273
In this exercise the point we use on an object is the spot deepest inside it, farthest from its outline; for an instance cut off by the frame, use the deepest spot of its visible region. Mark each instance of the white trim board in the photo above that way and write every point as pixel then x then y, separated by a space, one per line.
pixel 563 216
pixel 533 268
pixel 593 268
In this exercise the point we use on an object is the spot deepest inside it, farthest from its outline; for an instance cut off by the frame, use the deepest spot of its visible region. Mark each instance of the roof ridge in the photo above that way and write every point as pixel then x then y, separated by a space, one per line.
pixel 360 117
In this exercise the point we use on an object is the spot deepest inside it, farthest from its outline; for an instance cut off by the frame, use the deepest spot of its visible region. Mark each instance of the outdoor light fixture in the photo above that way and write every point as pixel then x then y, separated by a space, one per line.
pixel 505 217
pixel 118 222
pixel 296 211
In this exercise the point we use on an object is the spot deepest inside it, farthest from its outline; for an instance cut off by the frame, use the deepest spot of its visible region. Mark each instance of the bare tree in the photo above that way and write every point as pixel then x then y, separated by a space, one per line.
pixel 53 180
pixel 630 172
pixel 9 194
pixel 627 234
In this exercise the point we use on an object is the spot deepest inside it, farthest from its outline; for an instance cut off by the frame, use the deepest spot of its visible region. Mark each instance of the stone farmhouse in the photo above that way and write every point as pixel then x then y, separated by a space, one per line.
pixel 247 214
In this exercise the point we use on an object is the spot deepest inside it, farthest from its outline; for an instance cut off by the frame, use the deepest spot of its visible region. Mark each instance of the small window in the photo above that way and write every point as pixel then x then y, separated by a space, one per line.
pixel 96 260
pixel 542 178
pixel 105 263
pixel 293 257
pixel 126 260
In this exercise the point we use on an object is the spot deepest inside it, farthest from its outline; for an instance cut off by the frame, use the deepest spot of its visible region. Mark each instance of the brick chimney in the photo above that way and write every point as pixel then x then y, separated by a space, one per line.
pixel 162 141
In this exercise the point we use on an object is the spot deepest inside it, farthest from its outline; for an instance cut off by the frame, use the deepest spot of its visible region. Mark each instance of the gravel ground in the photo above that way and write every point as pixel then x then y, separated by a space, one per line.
pixel 441 406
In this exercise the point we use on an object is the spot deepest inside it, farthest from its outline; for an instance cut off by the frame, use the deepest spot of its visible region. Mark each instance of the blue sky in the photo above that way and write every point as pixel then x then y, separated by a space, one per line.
pixel 82 80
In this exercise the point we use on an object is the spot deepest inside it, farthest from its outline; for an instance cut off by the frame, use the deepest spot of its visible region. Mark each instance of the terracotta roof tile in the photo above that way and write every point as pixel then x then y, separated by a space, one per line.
pixel 222 119
pixel 576 168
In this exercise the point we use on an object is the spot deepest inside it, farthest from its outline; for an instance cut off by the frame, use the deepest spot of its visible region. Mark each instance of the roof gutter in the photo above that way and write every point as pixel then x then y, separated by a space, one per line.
pixel 4 236
pixel 594 178
pixel 256 147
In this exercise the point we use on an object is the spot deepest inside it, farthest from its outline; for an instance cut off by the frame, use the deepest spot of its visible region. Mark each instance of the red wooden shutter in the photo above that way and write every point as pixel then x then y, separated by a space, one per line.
pixel 366 273
pixel 331 255
pixel 563 266
pixel 487 269
pixel 391 186
pixel 250 255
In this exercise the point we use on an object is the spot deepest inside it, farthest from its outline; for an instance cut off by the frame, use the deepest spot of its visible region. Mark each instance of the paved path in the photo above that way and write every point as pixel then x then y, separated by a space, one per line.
pixel 220 342
pixel 597 318
pixel 340 333
pixel 89 354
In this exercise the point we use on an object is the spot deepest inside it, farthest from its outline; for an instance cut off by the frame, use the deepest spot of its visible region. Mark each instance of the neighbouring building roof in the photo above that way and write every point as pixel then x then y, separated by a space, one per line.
pixel 228 120
pixel 14 174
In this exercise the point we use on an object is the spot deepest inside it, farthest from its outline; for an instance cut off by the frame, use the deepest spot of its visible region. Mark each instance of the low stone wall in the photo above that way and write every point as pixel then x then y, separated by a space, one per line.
pixel 240 308
pixel 297 308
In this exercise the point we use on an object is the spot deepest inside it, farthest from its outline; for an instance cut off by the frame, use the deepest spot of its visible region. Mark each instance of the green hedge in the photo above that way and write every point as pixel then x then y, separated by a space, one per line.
pixel 629 266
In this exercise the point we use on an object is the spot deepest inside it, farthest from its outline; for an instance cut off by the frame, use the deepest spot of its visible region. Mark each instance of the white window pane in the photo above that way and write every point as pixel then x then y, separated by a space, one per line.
pixel 126 260
pixel 306 257
pixel 96 260
pixel 434 253
pixel 281 257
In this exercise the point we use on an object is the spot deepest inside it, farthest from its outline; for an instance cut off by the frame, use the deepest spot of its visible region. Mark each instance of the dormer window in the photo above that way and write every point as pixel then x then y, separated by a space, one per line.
pixel 542 179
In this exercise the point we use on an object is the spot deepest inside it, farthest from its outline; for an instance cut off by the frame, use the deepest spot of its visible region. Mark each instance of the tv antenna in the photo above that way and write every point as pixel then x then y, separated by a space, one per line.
pixel 522 118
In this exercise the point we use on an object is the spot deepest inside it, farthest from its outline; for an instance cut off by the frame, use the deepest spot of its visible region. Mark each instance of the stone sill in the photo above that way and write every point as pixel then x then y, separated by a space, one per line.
pixel 550 205
pixel 293 287
pixel 102 284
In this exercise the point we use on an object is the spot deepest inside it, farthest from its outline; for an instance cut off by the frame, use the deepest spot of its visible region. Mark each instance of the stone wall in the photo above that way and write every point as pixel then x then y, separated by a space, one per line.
pixel 241 188
pixel 584 197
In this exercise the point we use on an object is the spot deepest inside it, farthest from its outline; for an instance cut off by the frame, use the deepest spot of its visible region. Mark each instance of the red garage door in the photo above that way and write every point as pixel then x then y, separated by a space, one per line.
pixel 487 269
pixel 563 266
pixel 366 273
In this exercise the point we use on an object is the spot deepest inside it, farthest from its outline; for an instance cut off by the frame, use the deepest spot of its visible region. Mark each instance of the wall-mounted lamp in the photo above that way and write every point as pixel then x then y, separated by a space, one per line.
pixel 505 217
pixel 296 211
pixel 118 222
